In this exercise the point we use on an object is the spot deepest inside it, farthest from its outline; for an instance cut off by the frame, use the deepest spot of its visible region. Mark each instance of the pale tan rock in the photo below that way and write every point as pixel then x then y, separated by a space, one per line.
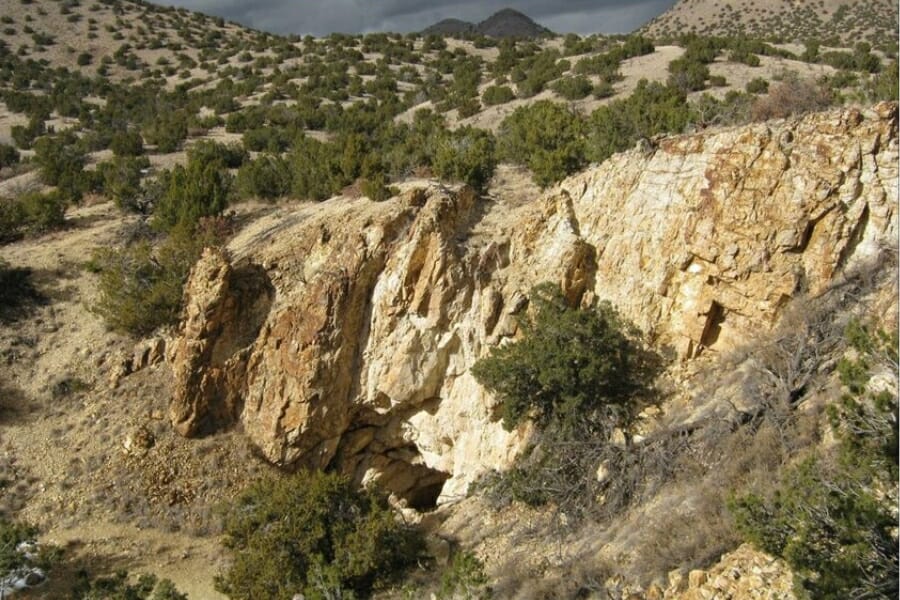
pixel 742 574
pixel 139 439
pixel 697 578
pixel 677 581
pixel 346 316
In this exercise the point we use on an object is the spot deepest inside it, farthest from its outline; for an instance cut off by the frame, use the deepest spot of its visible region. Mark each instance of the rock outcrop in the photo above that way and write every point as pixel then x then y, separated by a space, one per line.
pixel 342 333
pixel 744 573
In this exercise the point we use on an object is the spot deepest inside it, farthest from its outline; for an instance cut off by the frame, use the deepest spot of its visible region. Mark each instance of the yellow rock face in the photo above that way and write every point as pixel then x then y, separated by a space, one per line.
pixel 343 332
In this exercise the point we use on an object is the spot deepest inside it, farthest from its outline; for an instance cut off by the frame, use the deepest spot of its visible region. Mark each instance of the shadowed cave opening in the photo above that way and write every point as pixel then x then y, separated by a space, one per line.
pixel 424 496
pixel 402 472
pixel 713 327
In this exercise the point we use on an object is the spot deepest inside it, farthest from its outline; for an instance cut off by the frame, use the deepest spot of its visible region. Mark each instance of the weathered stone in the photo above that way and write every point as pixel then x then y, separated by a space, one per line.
pixel 696 578
pixel 743 573
pixel 139 439
pixel 677 581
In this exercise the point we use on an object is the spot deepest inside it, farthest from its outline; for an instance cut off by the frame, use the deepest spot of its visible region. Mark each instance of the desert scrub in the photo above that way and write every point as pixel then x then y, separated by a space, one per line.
pixel 793 96
pixel 9 156
pixel 467 155
pixel 268 176
pixel 313 533
pixel 140 287
pixel 832 516
pixel 580 373
pixel 31 213
pixel 146 587
pixel 546 137
pixel 201 189
pixel 465 578
pixel 569 360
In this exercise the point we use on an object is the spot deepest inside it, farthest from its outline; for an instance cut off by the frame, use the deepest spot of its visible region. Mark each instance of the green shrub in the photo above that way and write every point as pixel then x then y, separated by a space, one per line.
pixel 313 533
pixel 18 295
pixel 167 131
pixel 568 360
pixel 127 142
pixel 31 213
pixel 886 84
pixel 497 94
pixel 59 158
pixel 9 156
pixel 573 88
pixel 546 137
pixel 19 554
pixel 11 535
pixel 84 59
pixel 230 156
pixel 581 373
pixel 464 577
pixel 316 168
pixel 140 288
pixel 688 75
pixel 468 108
pixel 650 110
pixel 200 189
pixel 267 177
pixel 757 86
pixel 604 89
pixel 115 587
pixel 268 139
pixel 122 180
pixel 249 118
pixel 376 188
pixel 747 58
pixel 467 155
pixel 24 135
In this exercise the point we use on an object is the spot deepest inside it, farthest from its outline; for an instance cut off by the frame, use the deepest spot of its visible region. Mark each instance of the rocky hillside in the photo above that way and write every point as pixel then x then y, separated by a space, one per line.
pixel 792 20
pixel 343 333
pixel 227 255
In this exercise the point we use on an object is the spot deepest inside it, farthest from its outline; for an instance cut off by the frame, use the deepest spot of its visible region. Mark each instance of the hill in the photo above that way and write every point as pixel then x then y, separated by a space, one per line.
pixel 511 23
pixel 449 27
pixel 124 37
pixel 837 21
pixel 502 24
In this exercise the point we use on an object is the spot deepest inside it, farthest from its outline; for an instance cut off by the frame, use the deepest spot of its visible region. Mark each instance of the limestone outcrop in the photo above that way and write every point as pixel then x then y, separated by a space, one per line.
pixel 342 333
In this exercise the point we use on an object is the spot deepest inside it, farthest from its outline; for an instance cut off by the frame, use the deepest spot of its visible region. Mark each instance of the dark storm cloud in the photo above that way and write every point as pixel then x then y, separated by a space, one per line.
pixel 320 17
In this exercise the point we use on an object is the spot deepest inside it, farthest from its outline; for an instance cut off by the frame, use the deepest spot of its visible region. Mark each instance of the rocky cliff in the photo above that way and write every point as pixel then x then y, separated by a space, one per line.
pixel 342 333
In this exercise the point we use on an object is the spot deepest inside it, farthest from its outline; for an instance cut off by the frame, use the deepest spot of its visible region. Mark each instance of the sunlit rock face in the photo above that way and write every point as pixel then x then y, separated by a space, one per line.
pixel 342 333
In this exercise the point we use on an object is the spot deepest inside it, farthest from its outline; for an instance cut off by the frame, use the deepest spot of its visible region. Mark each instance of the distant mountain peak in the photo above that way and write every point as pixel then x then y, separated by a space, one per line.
pixel 506 22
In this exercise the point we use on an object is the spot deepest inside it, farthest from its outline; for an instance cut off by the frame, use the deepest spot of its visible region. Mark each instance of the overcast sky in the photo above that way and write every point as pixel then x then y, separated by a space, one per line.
pixel 320 17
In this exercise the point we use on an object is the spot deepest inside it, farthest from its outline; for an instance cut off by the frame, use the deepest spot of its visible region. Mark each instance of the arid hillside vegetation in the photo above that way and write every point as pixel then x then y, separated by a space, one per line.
pixel 832 22
pixel 583 313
